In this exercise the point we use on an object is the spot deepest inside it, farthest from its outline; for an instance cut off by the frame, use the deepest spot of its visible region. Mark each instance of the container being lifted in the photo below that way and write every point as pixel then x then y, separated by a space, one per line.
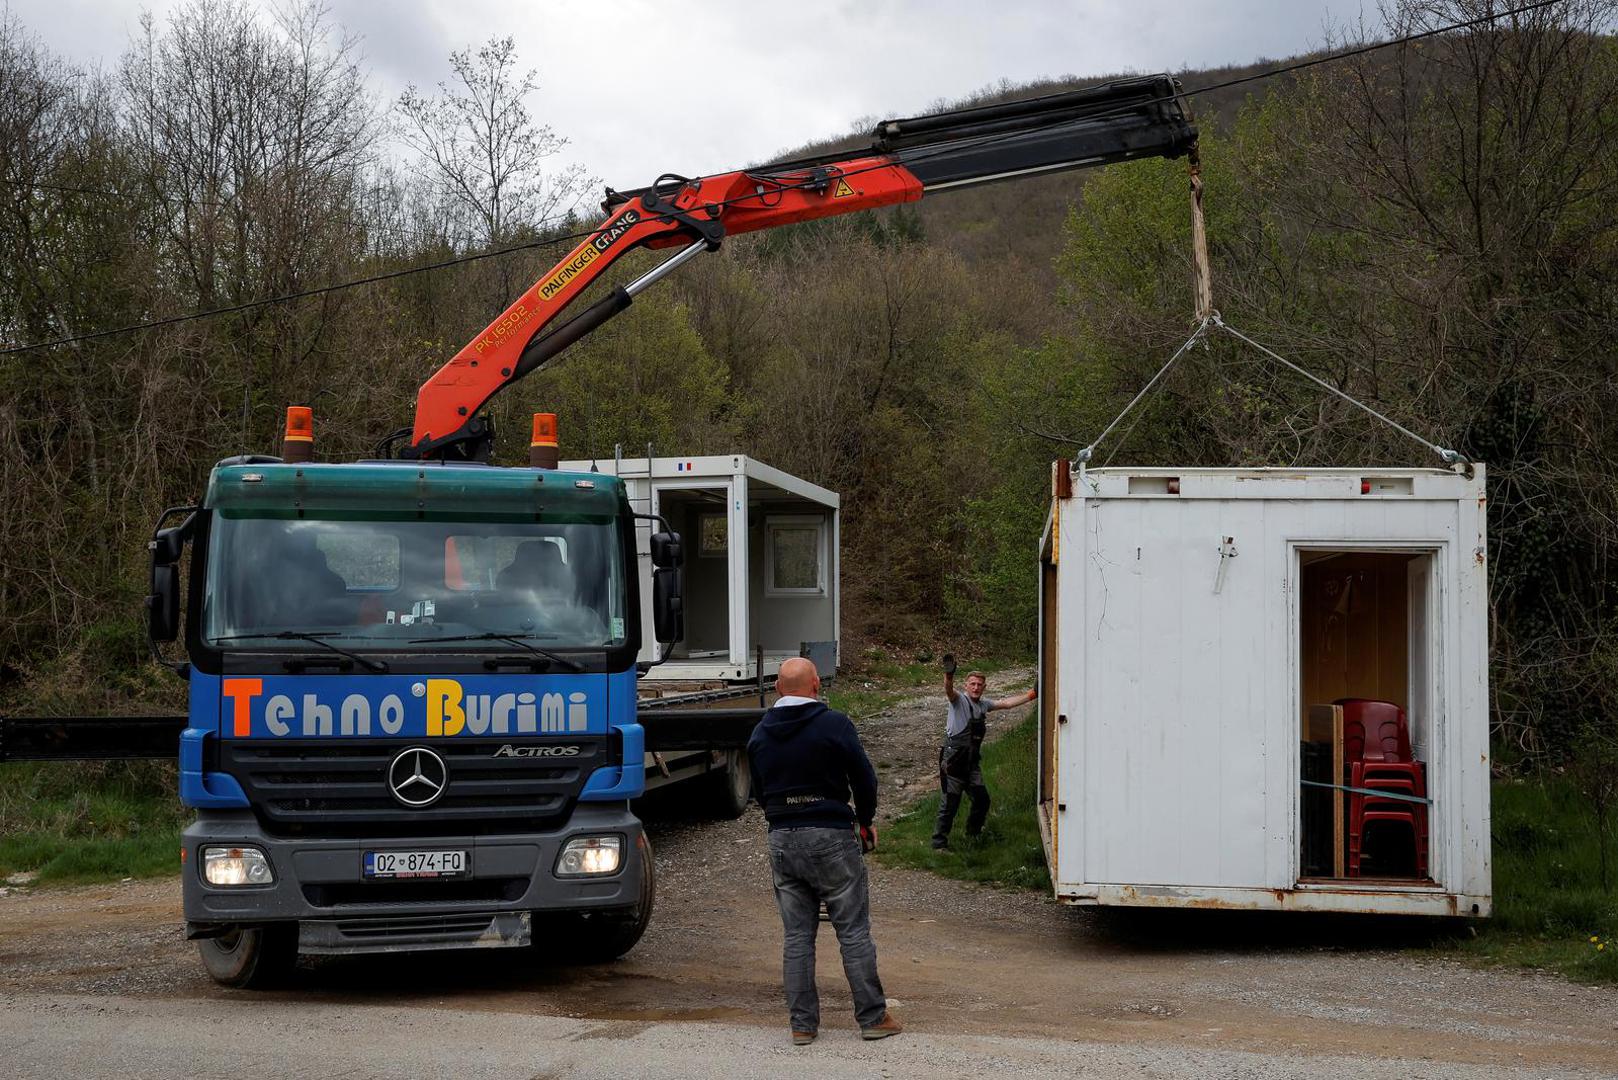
pixel 761 569
pixel 1204 633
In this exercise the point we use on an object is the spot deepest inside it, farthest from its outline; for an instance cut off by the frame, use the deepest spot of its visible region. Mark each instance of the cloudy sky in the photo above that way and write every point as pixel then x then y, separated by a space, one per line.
pixel 643 88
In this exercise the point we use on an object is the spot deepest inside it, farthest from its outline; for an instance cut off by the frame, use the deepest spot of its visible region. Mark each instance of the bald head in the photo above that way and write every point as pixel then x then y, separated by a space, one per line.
pixel 798 678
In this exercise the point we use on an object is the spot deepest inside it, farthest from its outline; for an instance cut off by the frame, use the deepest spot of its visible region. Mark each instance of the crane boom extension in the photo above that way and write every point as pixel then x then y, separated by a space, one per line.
pixel 1117 121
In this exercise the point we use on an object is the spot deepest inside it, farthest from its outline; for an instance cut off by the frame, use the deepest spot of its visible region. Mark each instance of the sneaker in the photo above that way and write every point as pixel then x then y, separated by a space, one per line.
pixel 882 1028
pixel 803 1038
pixel 940 843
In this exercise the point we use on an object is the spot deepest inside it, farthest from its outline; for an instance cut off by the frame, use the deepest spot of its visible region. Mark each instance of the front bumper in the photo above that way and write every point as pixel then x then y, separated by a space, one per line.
pixel 319 884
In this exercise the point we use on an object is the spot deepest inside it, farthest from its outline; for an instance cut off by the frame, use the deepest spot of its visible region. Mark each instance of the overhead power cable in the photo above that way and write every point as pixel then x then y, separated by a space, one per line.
pixel 223 204
pixel 785 185
pixel 300 295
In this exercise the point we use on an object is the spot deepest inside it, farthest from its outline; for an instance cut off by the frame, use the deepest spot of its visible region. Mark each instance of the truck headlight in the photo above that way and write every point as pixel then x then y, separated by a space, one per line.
pixel 585 855
pixel 236 866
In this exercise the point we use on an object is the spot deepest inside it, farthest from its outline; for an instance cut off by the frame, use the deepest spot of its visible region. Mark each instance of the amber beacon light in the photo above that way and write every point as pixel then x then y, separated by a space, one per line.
pixel 542 451
pixel 298 444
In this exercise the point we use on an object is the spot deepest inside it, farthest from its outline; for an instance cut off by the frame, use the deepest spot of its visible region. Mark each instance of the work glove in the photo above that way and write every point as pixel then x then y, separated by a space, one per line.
pixel 949 663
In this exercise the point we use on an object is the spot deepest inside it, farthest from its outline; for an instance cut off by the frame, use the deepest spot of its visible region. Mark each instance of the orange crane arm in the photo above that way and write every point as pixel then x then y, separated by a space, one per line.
pixel 1117 121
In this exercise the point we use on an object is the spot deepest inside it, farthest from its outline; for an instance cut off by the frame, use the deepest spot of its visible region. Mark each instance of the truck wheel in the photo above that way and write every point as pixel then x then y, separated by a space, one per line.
pixel 598 938
pixel 732 786
pixel 251 957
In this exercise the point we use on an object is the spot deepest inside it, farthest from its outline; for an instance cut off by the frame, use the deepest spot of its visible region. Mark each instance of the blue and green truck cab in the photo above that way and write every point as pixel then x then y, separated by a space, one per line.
pixel 412 712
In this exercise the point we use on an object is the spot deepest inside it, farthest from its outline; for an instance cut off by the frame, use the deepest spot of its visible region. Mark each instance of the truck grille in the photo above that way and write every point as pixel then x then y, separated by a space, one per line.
pixel 395 893
pixel 338 787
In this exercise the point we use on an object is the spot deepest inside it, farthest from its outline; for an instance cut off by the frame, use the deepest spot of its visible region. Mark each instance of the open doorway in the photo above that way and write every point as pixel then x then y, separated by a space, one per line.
pixel 1365 649
pixel 700 515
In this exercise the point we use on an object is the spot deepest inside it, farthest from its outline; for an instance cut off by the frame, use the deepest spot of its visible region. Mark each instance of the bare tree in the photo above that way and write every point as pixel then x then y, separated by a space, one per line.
pixel 254 137
pixel 482 149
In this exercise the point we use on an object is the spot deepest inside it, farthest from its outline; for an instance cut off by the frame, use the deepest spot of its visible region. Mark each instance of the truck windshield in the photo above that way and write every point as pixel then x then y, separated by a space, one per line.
pixel 387 584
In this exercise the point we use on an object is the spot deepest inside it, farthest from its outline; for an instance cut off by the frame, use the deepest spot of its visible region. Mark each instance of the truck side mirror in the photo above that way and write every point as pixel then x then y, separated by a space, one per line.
pixel 167 546
pixel 163 602
pixel 668 604
pixel 668 551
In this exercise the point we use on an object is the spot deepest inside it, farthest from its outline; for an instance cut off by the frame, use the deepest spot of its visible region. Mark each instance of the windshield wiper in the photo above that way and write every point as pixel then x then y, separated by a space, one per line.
pixel 319 639
pixel 514 639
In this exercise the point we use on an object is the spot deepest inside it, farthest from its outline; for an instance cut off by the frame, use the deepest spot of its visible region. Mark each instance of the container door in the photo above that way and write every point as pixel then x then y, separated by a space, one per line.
pixel 1420 705
pixel 1179 655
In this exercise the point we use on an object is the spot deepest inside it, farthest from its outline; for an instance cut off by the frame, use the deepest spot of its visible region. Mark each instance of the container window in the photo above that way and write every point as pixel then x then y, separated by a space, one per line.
pixel 795 556
pixel 714 532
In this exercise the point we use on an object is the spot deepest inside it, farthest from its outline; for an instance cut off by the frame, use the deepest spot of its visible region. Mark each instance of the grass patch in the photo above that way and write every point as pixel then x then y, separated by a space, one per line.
pixel 74 822
pixel 1009 852
pixel 1548 898
pixel 879 681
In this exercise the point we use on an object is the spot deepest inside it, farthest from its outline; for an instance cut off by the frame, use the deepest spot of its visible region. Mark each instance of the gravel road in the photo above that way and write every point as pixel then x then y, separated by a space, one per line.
pixel 97 982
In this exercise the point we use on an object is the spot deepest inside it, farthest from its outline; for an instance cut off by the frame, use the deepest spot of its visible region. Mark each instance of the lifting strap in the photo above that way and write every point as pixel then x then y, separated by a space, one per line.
pixel 1213 320
pixel 1196 335
pixel 1207 317
pixel 1202 276
pixel 1449 457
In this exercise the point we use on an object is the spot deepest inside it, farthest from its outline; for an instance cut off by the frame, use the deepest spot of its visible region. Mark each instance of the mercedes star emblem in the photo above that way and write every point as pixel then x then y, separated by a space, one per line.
pixel 417 777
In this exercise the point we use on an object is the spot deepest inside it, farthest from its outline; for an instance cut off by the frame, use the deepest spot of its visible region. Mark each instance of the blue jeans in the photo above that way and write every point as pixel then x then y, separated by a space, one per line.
pixel 810 866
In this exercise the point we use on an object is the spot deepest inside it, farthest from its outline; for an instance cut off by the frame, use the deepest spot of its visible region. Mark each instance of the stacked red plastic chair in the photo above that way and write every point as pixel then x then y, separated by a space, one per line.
pixel 1376 745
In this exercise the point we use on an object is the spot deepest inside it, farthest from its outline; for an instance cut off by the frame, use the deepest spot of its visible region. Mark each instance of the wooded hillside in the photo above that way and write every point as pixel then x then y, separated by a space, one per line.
pixel 1428 227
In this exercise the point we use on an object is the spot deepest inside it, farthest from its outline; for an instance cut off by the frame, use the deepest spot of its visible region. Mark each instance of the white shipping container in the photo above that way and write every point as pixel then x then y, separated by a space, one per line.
pixel 762 562
pixel 1192 621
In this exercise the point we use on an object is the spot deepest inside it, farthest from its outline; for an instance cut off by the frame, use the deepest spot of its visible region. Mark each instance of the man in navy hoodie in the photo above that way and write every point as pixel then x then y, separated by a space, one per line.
pixel 807 761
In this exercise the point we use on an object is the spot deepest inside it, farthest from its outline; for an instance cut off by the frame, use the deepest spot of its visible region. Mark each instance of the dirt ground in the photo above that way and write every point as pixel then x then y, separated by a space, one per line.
pixel 960 962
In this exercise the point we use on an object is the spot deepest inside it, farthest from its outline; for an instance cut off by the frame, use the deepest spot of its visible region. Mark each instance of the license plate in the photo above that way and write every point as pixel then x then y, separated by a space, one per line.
pixel 416 864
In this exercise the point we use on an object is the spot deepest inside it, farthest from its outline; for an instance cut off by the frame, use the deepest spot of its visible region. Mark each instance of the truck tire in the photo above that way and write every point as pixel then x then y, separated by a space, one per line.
pixel 251 957
pixel 732 786
pixel 601 937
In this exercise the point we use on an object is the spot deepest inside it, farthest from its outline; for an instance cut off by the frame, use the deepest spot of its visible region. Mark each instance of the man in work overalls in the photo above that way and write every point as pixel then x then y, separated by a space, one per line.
pixel 960 768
